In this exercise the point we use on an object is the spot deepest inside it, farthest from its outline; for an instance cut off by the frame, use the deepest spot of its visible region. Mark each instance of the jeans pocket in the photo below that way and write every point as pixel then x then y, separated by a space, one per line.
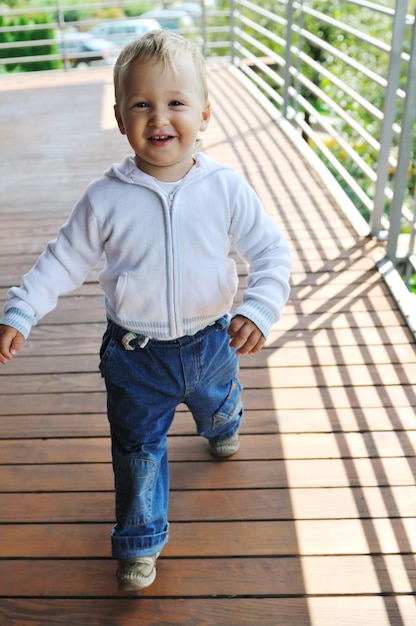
pixel 134 479
pixel 231 407
pixel 106 350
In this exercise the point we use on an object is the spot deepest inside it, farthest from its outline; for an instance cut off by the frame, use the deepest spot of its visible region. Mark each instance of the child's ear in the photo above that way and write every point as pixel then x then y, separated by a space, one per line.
pixel 206 114
pixel 119 120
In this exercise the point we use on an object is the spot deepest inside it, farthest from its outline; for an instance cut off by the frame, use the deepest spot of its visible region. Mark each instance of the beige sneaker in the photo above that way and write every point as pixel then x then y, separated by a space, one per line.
pixel 136 574
pixel 225 448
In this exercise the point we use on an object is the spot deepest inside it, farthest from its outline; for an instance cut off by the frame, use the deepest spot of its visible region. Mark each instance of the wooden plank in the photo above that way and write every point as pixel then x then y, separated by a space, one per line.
pixel 222 504
pixel 54 425
pixel 391 337
pixel 212 505
pixel 84 308
pixel 349 445
pixel 356 536
pixel 353 473
pixel 55 383
pixel 95 424
pixel 230 474
pixel 208 577
pixel 346 503
pixel 194 448
pixel 325 611
pixel 359 574
pixel 43 357
pixel 202 539
pixel 97 450
pixel 221 539
pixel 98 476
pixel 255 421
pixel 346 419
pixel 38 403
pixel 251 378
pixel 167 611
pixel 396 396
pixel 357 611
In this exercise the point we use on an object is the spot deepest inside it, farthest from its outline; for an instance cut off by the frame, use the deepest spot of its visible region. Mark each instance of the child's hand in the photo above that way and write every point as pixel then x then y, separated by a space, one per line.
pixel 11 340
pixel 245 335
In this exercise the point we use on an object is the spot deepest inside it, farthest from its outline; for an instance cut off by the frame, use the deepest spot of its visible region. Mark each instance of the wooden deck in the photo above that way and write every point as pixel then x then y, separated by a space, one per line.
pixel 313 522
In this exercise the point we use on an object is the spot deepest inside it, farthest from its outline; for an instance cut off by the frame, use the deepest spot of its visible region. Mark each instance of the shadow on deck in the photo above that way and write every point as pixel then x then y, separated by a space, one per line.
pixel 313 522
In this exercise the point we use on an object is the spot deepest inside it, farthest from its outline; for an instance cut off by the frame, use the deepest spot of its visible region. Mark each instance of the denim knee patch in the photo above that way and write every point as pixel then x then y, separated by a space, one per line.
pixel 134 488
pixel 230 408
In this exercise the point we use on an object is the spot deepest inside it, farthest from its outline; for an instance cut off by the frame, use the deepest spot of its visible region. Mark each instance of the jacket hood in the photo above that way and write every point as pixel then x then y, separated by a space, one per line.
pixel 128 172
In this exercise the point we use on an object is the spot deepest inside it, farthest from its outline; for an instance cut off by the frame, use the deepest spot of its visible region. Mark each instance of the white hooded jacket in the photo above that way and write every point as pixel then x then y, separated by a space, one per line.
pixel 167 267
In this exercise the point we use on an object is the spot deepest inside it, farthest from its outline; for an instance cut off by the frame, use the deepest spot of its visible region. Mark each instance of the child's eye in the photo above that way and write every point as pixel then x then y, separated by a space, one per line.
pixel 176 103
pixel 140 105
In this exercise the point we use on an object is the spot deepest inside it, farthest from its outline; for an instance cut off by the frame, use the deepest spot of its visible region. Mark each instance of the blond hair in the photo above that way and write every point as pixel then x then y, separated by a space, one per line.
pixel 160 46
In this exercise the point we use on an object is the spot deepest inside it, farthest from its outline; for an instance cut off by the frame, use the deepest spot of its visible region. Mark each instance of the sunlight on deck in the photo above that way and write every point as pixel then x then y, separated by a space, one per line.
pixel 313 522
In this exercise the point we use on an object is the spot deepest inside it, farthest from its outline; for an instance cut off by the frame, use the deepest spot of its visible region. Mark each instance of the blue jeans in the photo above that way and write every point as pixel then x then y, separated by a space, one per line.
pixel 144 387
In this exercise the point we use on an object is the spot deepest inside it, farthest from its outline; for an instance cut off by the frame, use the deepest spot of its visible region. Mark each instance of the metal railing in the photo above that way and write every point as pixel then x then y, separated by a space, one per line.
pixel 338 76
pixel 351 97
pixel 24 34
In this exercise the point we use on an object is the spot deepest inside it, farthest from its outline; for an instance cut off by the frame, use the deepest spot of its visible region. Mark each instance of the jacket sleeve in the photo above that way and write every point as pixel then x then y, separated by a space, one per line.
pixel 61 268
pixel 259 241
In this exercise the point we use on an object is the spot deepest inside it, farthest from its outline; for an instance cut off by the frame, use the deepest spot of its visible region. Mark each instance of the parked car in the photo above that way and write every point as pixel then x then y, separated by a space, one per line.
pixel 191 8
pixel 173 19
pixel 121 32
pixel 85 50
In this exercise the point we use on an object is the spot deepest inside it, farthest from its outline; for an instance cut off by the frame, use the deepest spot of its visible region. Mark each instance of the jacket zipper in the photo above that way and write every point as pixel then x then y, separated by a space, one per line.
pixel 172 281
pixel 175 321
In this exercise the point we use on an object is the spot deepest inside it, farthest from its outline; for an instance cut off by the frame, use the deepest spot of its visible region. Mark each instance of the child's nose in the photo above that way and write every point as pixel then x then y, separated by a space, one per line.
pixel 158 118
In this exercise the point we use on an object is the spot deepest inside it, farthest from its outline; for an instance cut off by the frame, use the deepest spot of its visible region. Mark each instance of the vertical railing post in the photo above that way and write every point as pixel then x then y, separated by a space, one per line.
pixel 411 248
pixel 232 31
pixel 204 28
pixel 61 24
pixel 405 151
pixel 288 56
pixel 389 113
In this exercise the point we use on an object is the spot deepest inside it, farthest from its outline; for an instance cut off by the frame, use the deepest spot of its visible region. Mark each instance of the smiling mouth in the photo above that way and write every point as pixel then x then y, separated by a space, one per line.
pixel 161 138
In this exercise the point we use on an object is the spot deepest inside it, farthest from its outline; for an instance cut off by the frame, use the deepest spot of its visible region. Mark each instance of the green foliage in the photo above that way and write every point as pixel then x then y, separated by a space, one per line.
pixel 135 11
pixel 310 31
pixel 28 35
pixel 45 49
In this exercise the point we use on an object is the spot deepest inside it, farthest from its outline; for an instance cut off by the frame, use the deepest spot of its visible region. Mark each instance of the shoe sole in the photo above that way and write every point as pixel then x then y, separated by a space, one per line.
pixel 130 585
pixel 224 454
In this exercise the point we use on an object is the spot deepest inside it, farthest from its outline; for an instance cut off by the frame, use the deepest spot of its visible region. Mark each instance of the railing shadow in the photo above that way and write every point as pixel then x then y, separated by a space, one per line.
pixel 282 177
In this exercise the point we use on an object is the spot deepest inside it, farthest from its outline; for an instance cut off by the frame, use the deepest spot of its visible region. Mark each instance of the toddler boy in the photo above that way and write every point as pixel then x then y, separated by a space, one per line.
pixel 164 219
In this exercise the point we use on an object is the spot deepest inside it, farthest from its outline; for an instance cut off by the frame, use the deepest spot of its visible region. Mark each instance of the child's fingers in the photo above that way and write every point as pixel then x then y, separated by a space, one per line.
pixel 11 340
pixel 245 336
pixel 253 344
pixel 16 344
pixel 259 345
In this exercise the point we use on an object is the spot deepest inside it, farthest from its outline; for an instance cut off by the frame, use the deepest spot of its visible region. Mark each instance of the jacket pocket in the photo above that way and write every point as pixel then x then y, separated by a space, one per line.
pixel 210 290
pixel 137 299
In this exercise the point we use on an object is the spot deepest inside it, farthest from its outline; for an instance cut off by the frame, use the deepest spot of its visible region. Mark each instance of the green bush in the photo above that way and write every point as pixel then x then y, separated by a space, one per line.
pixel 28 36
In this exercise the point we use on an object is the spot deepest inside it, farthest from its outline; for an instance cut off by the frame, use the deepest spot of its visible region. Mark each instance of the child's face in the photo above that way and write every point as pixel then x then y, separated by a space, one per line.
pixel 161 114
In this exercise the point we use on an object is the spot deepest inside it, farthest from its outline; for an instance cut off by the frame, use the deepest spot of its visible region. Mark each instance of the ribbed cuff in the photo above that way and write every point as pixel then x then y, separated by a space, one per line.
pixel 18 319
pixel 261 316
